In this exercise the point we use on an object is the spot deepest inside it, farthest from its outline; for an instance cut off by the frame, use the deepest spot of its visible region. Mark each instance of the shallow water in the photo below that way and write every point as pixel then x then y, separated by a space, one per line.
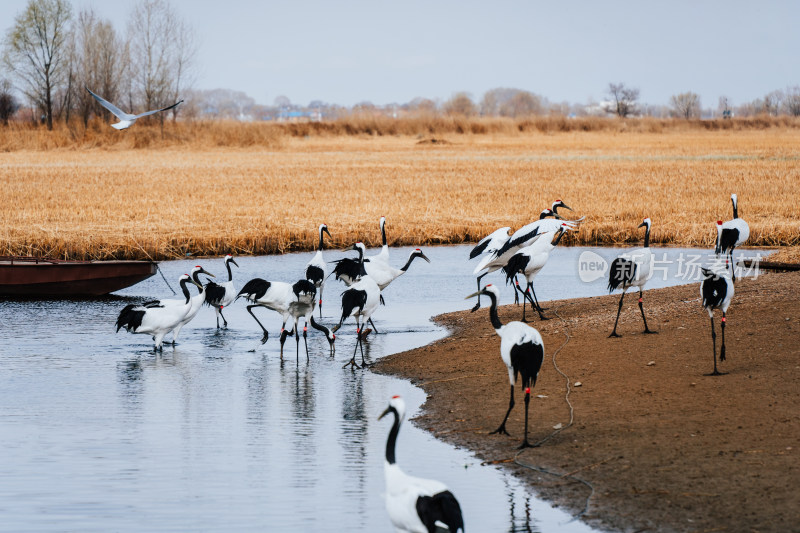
pixel 99 433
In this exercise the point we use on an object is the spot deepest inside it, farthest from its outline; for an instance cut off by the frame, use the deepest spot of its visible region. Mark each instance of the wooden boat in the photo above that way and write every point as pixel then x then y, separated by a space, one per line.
pixel 37 277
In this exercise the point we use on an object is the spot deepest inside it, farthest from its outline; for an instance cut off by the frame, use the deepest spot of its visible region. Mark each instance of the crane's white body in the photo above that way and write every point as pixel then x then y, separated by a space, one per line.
pixel 402 493
pixel 195 303
pixel 384 273
pixel 373 291
pixel 643 259
pixel 739 225
pixel 539 253
pixel 512 334
pixel 492 242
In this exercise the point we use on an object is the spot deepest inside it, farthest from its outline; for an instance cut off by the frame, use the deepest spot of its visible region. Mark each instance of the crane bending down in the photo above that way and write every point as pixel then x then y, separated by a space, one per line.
pixel 291 301
pixel 522 351
pixel 126 120
pixel 632 269
pixel 360 300
pixel 716 289
pixel 415 505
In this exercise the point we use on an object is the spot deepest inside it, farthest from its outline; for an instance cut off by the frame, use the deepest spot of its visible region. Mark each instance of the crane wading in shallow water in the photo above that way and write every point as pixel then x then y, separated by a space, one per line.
pixel 222 295
pixel 415 504
pixel 632 269
pixel 522 351
pixel 154 318
pixel 315 269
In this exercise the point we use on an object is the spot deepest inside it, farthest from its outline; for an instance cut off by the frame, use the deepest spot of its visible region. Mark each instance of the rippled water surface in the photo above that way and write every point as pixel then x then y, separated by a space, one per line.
pixel 100 434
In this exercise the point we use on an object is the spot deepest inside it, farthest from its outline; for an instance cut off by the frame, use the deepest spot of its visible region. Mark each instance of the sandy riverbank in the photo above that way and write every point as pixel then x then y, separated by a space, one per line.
pixel 665 447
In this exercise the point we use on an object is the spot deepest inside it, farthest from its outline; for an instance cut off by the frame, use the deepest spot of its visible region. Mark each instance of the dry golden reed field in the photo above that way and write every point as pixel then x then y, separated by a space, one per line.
pixel 209 189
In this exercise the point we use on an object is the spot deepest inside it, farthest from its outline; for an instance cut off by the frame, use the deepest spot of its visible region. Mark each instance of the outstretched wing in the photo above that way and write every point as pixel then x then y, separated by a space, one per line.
pixel 158 110
pixel 119 113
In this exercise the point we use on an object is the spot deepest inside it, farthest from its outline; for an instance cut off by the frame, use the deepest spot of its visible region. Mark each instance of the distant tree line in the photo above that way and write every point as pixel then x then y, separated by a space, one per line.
pixel 51 54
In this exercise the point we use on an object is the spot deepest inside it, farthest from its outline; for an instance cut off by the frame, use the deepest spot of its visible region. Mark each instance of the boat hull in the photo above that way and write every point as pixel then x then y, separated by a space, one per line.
pixel 26 277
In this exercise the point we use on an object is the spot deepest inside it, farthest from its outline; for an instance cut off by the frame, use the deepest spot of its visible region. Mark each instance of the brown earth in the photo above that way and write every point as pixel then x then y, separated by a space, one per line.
pixel 665 447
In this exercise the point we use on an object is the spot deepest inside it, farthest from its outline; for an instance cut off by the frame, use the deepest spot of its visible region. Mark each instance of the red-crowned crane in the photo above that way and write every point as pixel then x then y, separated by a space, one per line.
pixel 522 351
pixel 632 269
pixel 315 269
pixel 360 301
pixel 349 270
pixel 731 234
pixel 220 296
pixel 716 289
pixel 155 318
pixel 291 301
pixel 383 255
pixel 384 273
pixel 415 505
pixel 197 301
pixel 529 261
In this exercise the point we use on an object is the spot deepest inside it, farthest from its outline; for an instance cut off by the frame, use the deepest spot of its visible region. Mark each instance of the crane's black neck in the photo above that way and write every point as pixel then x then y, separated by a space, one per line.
pixel 196 277
pixel 411 257
pixel 320 240
pixel 496 324
pixel 230 274
pixel 558 238
pixel 321 328
pixel 647 236
pixel 185 289
pixel 390 442
pixel 383 233
pixel 735 209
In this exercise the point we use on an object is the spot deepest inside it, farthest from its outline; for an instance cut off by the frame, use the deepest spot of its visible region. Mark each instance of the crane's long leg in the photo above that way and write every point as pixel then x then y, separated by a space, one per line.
pixel 502 428
pixel 619 310
pixel 266 334
pixel 284 334
pixel 516 298
pixel 538 309
pixel 722 350
pixel 733 266
pixel 305 339
pixel 373 326
pixel 352 363
pixel 641 308
pixel 714 355
pixel 478 305
pixel 297 341
pixel 525 443
pixel 224 322
pixel 537 299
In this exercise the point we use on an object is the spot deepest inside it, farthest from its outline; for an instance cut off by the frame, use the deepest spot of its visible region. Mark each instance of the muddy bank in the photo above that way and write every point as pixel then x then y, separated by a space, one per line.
pixel 664 447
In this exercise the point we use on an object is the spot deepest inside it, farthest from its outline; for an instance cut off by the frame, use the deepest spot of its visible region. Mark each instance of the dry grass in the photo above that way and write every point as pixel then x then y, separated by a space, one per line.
pixel 178 197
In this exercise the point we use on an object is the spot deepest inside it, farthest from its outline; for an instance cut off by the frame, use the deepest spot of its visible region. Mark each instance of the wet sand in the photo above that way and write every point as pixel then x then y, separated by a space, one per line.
pixel 663 447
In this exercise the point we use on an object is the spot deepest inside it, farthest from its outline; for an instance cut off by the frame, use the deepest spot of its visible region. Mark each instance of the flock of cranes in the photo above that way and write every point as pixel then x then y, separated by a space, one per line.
pixel 416 504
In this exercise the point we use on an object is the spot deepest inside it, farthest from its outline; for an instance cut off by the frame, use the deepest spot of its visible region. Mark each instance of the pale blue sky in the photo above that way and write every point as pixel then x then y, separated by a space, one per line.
pixel 346 52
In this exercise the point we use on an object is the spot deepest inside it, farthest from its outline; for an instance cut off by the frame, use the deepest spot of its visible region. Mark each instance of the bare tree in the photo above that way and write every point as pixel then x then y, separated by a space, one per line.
pixel 724 107
pixel 35 50
pixel 460 104
pixel 8 104
pixel 162 50
pixel 791 102
pixel 98 61
pixel 623 99
pixel 773 102
pixel 685 105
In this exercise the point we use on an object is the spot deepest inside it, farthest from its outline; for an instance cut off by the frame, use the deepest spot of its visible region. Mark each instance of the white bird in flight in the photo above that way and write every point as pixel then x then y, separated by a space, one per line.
pixel 126 120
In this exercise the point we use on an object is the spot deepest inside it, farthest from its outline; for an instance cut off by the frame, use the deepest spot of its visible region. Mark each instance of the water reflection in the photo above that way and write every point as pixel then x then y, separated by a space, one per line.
pixel 209 436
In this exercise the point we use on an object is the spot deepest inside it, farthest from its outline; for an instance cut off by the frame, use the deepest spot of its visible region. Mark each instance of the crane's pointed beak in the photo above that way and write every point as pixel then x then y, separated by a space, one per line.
pixel 473 295
pixel 325 229
pixel 425 257
pixel 565 206
pixel 207 273
pixel 642 225
pixel 386 412
pixel 235 263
